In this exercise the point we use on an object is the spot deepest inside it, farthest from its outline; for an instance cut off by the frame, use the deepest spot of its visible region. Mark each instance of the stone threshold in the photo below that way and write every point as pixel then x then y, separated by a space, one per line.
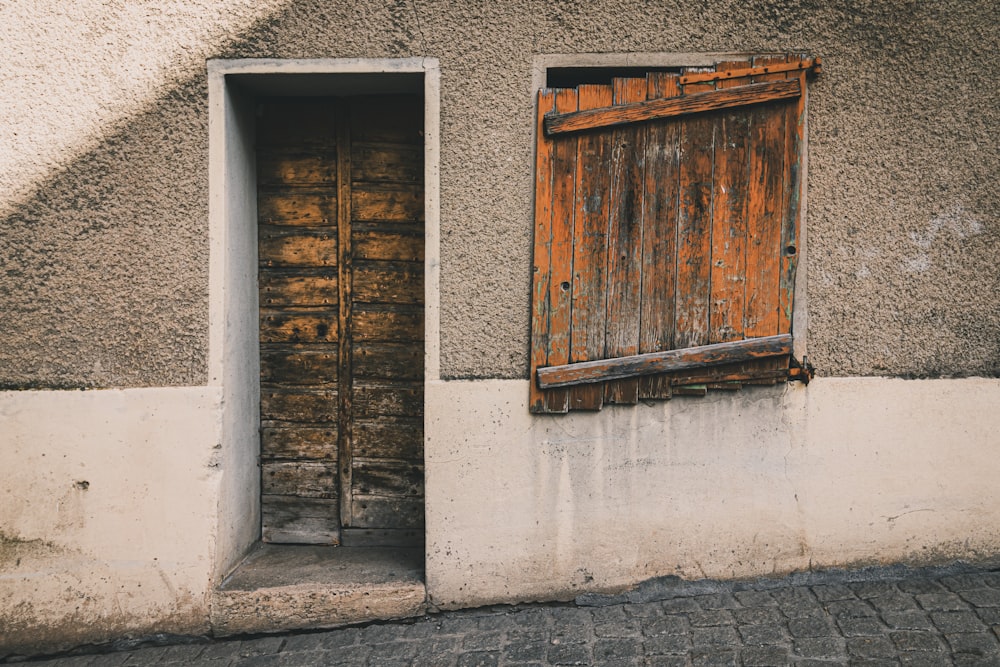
pixel 281 587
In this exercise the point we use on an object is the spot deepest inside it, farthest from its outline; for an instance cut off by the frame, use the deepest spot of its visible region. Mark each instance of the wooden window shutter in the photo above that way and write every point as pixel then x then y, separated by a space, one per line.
pixel 666 233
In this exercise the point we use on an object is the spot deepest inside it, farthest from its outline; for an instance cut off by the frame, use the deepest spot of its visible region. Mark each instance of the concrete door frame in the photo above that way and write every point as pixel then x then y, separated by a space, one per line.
pixel 233 365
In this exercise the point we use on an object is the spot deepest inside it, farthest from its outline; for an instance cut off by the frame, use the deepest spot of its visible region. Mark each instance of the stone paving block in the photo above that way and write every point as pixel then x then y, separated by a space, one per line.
pixel 665 625
pixel 957 621
pixel 977 643
pixel 755 599
pixel 568 654
pixel 484 641
pixel 831 592
pixel 679 606
pixel 941 602
pixel 989 615
pixel 377 634
pixel 764 656
pixel 535 618
pixel 870 647
pixel 758 615
pixel 861 627
pixel 717 601
pixel 479 659
pixel 713 658
pixel 919 586
pixel 667 661
pixel 643 610
pixel 849 609
pixel 525 648
pixel 895 601
pixel 626 628
pixel 991 578
pixel 110 659
pixel 709 618
pixel 982 597
pixel 908 620
pixel 262 646
pixel 809 627
pixel 665 644
pixel 872 589
pixel 264 660
pixel 458 625
pixel 439 649
pixel 722 635
pixel 606 649
pixel 422 629
pixel 969 660
pixel 614 614
pixel 494 622
pixel 820 648
pixel 915 640
pixel 963 582
pixel 760 635
pixel 924 659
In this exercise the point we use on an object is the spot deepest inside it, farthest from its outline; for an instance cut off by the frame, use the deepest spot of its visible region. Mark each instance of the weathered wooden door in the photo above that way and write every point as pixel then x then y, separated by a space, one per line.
pixel 341 238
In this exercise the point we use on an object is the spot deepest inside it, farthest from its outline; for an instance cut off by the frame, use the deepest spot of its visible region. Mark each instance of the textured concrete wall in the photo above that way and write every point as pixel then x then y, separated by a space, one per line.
pixel 103 242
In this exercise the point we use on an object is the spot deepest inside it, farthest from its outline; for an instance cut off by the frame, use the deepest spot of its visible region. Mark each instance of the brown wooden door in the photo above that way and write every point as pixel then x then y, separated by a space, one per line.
pixel 340 215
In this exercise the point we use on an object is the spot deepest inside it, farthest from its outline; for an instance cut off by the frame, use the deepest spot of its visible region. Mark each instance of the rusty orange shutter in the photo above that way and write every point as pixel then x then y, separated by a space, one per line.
pixel 666 227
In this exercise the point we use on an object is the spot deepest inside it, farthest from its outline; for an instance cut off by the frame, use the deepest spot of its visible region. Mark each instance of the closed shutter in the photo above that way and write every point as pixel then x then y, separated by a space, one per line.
pixel 666 233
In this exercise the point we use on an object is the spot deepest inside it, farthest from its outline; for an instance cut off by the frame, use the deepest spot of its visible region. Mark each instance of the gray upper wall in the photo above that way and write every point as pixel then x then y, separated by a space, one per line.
pixel 105 265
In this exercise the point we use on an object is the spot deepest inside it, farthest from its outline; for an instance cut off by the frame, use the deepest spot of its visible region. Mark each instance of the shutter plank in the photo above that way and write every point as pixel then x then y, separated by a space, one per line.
pixel 296 168
pixel 278 404
pixel 372 399
pixel 561 251
pixel 729 228
pixel 389 437
pixel 298 366
pixel 659 235
pixel 542 243
pixel 388 361
pixel 387 477
pixel 625 241
pixel 388 245
pixel 372 323
pixel 305 479
pixel 382 282
pixel 794 134
pixel 387 163
pixel 381 511
pixel 590 246
pixel 694 228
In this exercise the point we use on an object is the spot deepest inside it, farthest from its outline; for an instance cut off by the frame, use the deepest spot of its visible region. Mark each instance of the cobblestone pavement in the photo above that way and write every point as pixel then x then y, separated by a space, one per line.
pixel 874 617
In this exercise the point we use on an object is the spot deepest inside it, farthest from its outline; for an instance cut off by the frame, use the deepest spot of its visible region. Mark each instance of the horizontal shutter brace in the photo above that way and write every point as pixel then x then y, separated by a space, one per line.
pixel 812 65
pixel 652 363
pixel 754 93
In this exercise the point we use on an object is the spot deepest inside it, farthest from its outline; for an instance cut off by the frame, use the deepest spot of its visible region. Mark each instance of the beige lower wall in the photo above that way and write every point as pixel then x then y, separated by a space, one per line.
pixel 113 503
pixel 766 480
pixel 108 514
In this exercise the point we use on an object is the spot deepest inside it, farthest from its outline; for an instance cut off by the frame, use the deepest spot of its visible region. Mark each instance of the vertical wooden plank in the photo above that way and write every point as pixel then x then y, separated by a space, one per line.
pixel 794 129
pixel 590 249
pixel 344 282
pixel 659 235
pixel 543 244
pixel 764 219
pixel 625 241
pixel 564 156
pixel 729 229
pixel 694 225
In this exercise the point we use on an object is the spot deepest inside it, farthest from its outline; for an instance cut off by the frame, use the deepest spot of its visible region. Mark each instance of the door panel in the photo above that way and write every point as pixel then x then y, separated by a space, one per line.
pixel 340 214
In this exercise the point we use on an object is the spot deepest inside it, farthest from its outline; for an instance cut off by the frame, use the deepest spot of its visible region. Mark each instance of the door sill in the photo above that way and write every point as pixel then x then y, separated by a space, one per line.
pixel 281 587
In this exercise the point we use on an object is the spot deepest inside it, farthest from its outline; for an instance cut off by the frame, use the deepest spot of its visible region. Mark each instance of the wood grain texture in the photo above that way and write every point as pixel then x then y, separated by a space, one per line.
pixel 739 69
pixel 729 228
pixel 791 206
pixel 297 207
pixel 297 288
pixel 564 157
pixel 590 246
pixel 383 282
pixel 387 437
pixel 345 301
pixel 294 366
pixel 283 404
pixel 296 248
pixel 312 326
pixel 659 235
pixel 295 520
pixel 388 245
pixel 393 323
pixel 385 202
pixel 664 362
pixel 694 227
pixel 542 244
pixel 380 511
pixel 625 240
pixel 692 102
pixel 305 479
pixel 298 442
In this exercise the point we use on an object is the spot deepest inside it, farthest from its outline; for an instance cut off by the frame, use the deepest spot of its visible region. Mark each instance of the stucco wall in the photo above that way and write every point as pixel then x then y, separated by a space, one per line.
pixel 108 514
pixel 851 471
pixel 104 242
